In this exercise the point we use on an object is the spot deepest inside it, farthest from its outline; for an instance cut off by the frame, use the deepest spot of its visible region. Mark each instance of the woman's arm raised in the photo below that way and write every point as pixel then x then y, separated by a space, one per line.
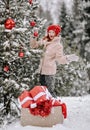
pixel 65 59
pixel 35 44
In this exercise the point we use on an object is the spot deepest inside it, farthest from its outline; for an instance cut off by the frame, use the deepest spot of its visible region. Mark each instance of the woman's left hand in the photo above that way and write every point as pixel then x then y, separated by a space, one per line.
pixel 72 57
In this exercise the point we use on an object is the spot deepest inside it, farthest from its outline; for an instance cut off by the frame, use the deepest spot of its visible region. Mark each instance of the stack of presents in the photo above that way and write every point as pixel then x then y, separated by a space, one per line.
pixel 39 108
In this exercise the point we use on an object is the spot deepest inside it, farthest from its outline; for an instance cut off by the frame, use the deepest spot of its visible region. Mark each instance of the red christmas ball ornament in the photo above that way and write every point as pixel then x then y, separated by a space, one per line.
pixel 35 34
pixel 6 68
pixel 9 23
pixel 32 23
pixel 21 54
pixel 30 1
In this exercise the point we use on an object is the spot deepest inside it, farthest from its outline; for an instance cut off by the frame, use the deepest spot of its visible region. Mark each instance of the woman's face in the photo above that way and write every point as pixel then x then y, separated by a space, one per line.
pixel 51 34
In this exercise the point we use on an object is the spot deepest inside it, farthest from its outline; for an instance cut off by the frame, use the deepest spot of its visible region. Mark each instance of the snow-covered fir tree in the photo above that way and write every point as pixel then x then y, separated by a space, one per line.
pixel 18 22
pixel 86 35
pixel 72 79
pixel 78 24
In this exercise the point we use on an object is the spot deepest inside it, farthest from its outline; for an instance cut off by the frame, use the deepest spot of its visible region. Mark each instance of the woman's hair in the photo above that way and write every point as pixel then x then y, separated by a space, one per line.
pixel 47 38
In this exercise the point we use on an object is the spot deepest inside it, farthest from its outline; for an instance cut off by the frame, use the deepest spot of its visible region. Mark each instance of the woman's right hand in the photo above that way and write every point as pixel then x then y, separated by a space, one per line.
pixel 33 43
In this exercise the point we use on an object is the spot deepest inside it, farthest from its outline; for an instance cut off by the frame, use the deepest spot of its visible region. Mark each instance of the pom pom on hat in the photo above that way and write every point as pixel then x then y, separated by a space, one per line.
pixel 55 28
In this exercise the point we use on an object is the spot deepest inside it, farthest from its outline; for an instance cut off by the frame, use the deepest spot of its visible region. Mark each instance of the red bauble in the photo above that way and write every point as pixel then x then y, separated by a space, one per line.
pixel 9 23
pixel 30 1
pixel 35 34
pixel 32 23
pixel 6 68
pixel 21 54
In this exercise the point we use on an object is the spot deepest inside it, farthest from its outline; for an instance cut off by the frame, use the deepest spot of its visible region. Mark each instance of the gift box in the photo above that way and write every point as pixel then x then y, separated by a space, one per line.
pixel 39 108
pixel 55 117
pixel 25 99
pixel 40 94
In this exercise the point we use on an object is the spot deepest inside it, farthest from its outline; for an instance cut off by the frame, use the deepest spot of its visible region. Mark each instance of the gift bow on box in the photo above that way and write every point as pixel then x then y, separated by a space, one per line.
pixel 39 101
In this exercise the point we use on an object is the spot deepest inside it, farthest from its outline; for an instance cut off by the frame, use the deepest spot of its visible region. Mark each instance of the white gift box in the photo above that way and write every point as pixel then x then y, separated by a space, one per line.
pixel 55 117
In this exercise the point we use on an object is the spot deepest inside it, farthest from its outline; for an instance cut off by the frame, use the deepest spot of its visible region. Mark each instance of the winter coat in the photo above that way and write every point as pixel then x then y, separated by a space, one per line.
pixel 53 52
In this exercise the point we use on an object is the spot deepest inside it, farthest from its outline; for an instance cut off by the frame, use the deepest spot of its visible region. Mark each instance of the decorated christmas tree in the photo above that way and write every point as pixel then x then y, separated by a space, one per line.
pixel 18 22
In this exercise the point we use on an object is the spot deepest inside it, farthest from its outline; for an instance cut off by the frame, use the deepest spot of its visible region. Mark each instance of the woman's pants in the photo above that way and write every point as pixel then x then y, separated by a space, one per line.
pixel 49 81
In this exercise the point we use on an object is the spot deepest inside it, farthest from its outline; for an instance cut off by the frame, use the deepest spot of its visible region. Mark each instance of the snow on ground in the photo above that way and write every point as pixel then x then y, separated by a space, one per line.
pixel 78 116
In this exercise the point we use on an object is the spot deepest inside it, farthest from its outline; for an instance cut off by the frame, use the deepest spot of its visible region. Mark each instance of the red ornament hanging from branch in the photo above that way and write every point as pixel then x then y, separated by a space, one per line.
pixel 32 23
pixel 21 53
pixel 30 1
pixel 9 23
pixel 35 34
pixel 6 68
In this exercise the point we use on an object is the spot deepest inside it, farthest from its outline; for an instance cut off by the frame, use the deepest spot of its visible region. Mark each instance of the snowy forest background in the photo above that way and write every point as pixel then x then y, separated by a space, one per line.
pixel 19 63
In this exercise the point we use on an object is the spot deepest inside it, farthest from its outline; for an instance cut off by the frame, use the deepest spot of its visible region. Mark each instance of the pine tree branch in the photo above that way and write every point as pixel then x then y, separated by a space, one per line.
pixel 7 4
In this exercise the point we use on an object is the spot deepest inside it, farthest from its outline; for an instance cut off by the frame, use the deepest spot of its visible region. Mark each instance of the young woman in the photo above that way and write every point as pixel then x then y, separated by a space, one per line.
pixel 53 52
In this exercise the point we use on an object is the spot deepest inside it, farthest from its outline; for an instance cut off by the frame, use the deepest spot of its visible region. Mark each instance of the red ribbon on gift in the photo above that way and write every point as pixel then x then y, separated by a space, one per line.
pixel 64 110
pixel 43 108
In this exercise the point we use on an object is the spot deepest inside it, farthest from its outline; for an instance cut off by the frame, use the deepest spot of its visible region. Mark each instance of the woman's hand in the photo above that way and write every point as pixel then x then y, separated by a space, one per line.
pixel 72 57
pixel 33 43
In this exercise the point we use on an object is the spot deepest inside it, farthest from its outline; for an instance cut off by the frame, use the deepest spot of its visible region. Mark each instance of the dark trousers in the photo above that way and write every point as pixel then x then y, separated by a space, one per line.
pixel 49 81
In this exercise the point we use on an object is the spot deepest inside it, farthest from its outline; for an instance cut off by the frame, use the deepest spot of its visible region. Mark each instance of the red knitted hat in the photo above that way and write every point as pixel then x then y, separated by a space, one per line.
pixel 55 28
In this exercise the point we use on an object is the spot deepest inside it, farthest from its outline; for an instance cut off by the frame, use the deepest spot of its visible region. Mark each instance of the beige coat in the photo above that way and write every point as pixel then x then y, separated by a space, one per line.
pixel 53 52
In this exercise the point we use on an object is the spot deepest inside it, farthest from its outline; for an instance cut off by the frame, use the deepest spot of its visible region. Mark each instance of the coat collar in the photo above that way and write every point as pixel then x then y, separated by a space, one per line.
pixel 54 41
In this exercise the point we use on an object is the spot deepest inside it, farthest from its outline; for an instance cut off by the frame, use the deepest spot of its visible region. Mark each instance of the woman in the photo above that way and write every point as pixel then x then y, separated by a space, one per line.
pixel 53 52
